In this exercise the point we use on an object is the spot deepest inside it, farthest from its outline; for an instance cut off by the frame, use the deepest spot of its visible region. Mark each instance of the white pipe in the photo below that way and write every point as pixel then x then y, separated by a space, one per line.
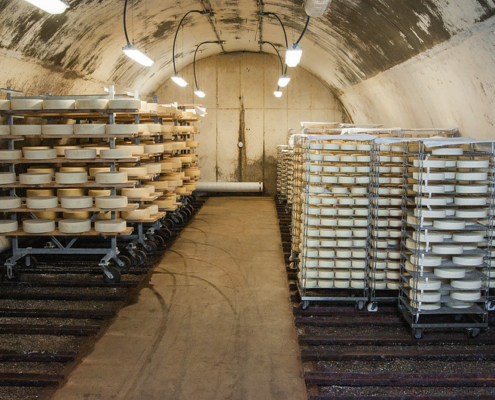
pixel 236 187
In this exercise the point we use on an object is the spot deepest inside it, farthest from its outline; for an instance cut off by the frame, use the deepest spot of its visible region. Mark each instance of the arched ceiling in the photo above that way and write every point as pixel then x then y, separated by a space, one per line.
pixel 354 41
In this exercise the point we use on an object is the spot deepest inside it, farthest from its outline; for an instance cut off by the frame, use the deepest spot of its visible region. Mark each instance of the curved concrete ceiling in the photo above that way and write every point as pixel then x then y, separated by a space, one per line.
pixel 354 41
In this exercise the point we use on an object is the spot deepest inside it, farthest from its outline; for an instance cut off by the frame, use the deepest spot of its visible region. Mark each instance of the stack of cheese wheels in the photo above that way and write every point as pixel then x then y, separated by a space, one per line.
pixel 42 193
pixel 448 229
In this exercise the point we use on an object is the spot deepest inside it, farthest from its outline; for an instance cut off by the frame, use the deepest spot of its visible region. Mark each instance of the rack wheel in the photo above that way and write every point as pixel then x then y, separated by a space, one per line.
pixel 15 275
pixel 473 333
pixel 164 233
pixel 491 305
pixel 159 241
pixel 111 275
pixel 29 262
pixel 304 305
pixel 178 220
pixel 360 305
pixel 126 263
pixel 372 307
pixel 418 333
pixel 138 258
pixel 149 248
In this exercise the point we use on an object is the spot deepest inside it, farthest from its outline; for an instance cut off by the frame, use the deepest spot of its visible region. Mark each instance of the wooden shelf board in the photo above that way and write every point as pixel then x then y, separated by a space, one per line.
pixel 63 160
pixel 92 232
pixel 74 185
pixel 130 207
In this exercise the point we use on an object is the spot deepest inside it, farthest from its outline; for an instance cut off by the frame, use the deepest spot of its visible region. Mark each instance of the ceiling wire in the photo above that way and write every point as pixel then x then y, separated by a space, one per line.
pixel 209 12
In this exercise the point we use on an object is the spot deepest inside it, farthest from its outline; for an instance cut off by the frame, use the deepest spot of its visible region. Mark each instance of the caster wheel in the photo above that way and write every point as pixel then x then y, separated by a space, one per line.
pixel 149 248
pixel 418 333
pixel 138 258
pixel 159 241
pixel 473 333
pixel 14 277
pixel 304 305
pixel 490 306
pixel 126 263
pixel 360 305
pixel 169 224
pixel 372 307
pixel 164 233
pixel 111 275
pixel 29 262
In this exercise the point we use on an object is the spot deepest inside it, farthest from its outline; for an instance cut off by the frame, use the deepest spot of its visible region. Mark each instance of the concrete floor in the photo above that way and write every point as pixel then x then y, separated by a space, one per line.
pixel 214 322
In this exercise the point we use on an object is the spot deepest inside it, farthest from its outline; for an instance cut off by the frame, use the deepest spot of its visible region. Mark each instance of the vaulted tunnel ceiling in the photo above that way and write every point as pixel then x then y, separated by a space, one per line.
pixel 354 41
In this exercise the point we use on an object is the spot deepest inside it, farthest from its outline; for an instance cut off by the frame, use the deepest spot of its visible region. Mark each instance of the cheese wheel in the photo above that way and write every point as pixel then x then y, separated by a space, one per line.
pixel 447 249
pixel 91 104
pixel 9 202
pixel 74 225
pixel 448 151
pixel 154 148
pixel 94 171
pixel 432 176
pixel 450 273
pixel 341 284
pixel 331 158
pixel 116 153
pixel 35 178
pixel 136 150
pixel 163 203
pixel 42 202
pixel 40 154
pixel 26 104
pixel 110 226
pixel 69 178
pixel 348 147
pixel 63 129
pixel 70 192
pixel 467 284
pixel 76 201
pixel 153 209
pixel 468 261
pixel 465 296
pixel 4 104
pixel 471 176
pixel 114 177
pixel 425 283
pixel 136 193
pixel 80 154
pixel 378 285
pixel 59 104
pixel 470 201
pixel 348 158
pixel 133 104
pixel 89 129
pixel 427 297
pixel 431 237
pixel 156 168
pixel 4 130
pixel 426 261
pixel 72 169
pixel 449 224
pixel 25 130
pixel 76 214
pixel 133 172
pixel 38 226
pixel 430 163
pixel 121 129
pixel 7 178
pixel 473 163
pixel 99 192
pixel 136 214
pixel 471 189
pixel 468 237
pixel 111 201
pixel 10 154
pixel 471 213
pixel 7 225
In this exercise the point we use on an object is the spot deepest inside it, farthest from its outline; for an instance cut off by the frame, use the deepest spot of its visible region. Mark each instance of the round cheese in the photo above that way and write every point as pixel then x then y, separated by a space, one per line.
pixel 38 226
pixel 89 129
pixel 39 154
pixel 7 225
pixel 116 153
pixel 447 249
pixel 153 209
pixel 80 154
pixel 76 201
pixel 136 193
pixel 4 104
pixel 473 164
pixel 35 178
pixel 94 171
pixel 471 176
pixel 450 273
pixel 470 201
pixel 468 237
pixel 121 129
pixel 74 225
pixel 91 104
pixel 10 155
pixel 9 202
pixel 70 192
pixel 425 284
pixel 136 214
pixel 448 151
pixel 111 201
pixel 114 177
pixel 136 150
pixel 42 202
pixel 133 172
pixel 59 104
pixel 427 297
pixel 7 178
pixel 4 130
pixel 132 104
pixel 64 129
pixel 468 261
pixel 471 213
pixel 72 169
pixel 429 163
pixel 110 226
pixel 471 189
pixel 26 104
pixel 156 168
pixel 449 224
pixel 61 149
pixel 466 296
pixel 25 130
pixel 154 148
pixel 99 192
pixel 70 178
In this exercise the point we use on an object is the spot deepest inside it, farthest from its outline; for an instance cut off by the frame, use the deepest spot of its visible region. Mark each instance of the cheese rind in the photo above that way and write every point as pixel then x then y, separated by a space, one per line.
pixel 42 202
pixel 33 178
pixel 74 225
pixel 110 226
pixel 113 177
pixel 38 226
pixel 111 202
pixel 76 202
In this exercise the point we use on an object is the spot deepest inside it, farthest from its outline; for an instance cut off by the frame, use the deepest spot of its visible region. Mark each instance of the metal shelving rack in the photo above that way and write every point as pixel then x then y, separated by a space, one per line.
pixel 335 230
pixel 443 212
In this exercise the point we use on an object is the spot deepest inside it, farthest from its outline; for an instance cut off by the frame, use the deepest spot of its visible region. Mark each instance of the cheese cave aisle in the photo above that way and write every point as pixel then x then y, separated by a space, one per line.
pixel 247 200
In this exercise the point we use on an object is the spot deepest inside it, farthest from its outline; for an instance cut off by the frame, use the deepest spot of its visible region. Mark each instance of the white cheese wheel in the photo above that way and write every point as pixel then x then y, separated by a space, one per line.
pixel 136 214
pixel 331 158
pixel 39 154
pixel 312 157
pixel 116 153
pixel 426 261
pixel 111 201
pixel 89 129
pixel 25 130
pixel 342 274
pixel 42 202
pixel 348 158
pixel 473 163
pixel 468 237
pixel 133 172
pixel 425 283
pixel 136 150
pixel 121 129
pixel 35 178
pixel 325 284
pixel 133 104
pixel 154 128
pixel 359 254
pixel 430 163
pixel 76 201
pixel 91 104
pixel 431 201
pixel 61 149
pixel 10 155
pixel 447 249
pixel 425 306
pixel 80 154
pixel 427 297
pixel 471 176
pixel 329 179
pixel 38 226
pixel 431 237
pixel 466 296
pixel 467 284
pixel 7 178
pixel 156 168
pixel 471 213
pixel 432 176
pixel 468 261
pixel 341 284
pixel 7 226
pixel 113 177
pixel 450 273
pixel 471 189
pixel 470 201
pixel 348 147
pixel 9 202
pixel 378 285
pixel 59 104
pixel 74 225
pixel 154 148
pixel 136 193
pixel 309 283
pixel 69 178
pixel 110 226
pixel 430 213
pixel 4 104
pixel 449 224
pixel 26 104
pixel 346 180
pixel 448 151
pixel 4 130
pixel 64 129
pixel 315 168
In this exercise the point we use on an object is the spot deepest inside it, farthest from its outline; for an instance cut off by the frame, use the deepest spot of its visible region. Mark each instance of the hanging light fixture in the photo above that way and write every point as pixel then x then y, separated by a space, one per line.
pixel 293 53
pixel 50 6
pixel 198 92
pixel 278 92
pixel 131 50
pixel 179 80
pixel 284 79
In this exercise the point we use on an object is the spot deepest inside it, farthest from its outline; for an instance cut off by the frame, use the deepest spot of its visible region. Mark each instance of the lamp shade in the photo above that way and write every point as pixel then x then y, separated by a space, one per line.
pixel 179 80
pixel 133 52
pixel 277 93
pixel 199 93
pixel 283 81
pixel 50 6
pixel 293 55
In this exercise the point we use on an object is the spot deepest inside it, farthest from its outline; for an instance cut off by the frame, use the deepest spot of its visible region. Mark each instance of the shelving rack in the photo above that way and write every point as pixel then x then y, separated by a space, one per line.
pixel 335 225
pixel 447 233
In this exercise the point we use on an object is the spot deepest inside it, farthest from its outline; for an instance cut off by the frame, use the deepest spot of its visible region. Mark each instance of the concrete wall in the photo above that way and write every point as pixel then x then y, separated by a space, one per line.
pixel 241 106
pixel 453 84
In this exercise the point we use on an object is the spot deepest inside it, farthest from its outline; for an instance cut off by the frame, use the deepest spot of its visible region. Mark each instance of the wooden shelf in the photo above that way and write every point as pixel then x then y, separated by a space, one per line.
pixel 72 113
pixel 92 232
pixel 63 160
pixel 130 207
pixel 88 184
pixel 69 136
pixel 151 219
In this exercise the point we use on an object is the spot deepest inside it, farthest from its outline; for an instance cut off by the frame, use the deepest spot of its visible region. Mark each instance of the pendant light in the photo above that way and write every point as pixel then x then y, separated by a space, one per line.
pixel 131 50
pixel 50 6
pixel 278 92
pixel 293 53
pixel 198 92
pixel 284 80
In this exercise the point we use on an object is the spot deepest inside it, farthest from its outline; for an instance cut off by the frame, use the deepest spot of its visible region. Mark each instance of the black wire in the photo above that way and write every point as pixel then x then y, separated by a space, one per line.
pixel 125 27
pixel 176 33
pixel 283 27
pixel 280 58
pixel 304 31
pixel 194 61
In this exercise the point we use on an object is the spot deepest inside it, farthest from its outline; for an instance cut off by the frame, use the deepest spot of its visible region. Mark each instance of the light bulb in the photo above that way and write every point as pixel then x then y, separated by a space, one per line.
pixel 50 6
pixel 283 81
pixel 132 52
pixel 293 55
pixel 199 93
pixel 277 93
pixel 179 80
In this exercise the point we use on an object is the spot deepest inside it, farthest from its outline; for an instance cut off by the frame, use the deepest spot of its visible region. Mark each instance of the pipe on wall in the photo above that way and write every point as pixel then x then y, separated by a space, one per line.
pixel 235 187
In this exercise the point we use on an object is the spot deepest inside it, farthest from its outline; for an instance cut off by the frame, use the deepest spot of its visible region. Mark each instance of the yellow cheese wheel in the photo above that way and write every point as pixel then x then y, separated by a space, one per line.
pixel 136 214
pixel 153 209
pixel 35 178
pixel 192 143
pixel 42 170
pixel 133 172
pixel 46 214
pixel 110 226
pixel 72 169
pixel 136 193
pixel 165 203
pixel 160 185
pixel 154 148
pixel 94 171
pixel 69 178
pixel 40 192
pixel 9 202
pixel 7 225
pixel 136 150
pixel 4 104
pixel 111 201
pixel 154 128
pixel 99 192
pixel 42 202
pixel 66 129
pixel 111 177
pixel 121 129
pixel 116 153
pixel 80 153
pixel 38 226
pixel 70 192
pixel 89 129
pixel 74 225
pixel 76 201
pixel 153 168
pixel 76 214
pixel 91 104
pixel 143 128
pixel 25 130
pixel 168 146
